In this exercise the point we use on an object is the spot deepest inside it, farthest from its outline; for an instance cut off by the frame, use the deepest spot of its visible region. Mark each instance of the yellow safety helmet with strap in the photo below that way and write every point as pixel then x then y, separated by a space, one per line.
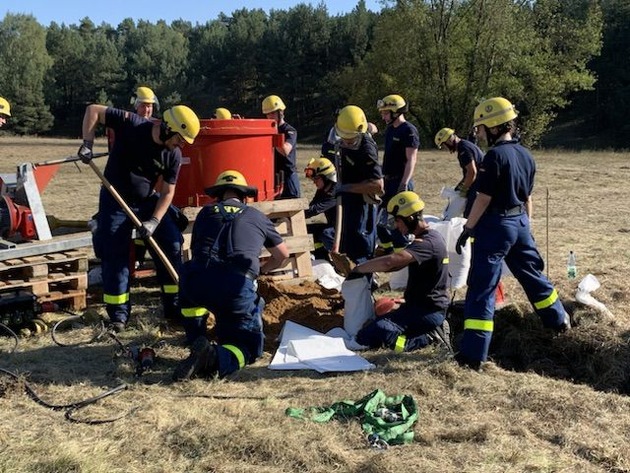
pixel 321 167
pixel 405 204
pixel 5 107
pixel 144 95
pixel 231 179
pixel 442 136
pixel 222 114
pixel 181 119
pixel 393 103
pixel 494 112
pixel 351 122
pixel 272 103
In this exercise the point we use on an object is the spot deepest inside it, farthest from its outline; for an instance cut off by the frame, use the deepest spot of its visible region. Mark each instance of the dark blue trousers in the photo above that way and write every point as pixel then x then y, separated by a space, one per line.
pixel 236 306
pixel 112 242
pixel 499 238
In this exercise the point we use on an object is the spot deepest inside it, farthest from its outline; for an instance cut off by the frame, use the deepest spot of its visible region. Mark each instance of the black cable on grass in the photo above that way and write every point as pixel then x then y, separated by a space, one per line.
pixel 75 318
pixel 72 407
pixel 13 334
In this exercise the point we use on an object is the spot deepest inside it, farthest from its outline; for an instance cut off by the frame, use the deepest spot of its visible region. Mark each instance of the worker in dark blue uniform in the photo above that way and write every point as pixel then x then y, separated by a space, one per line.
pixel 361 184
pixel 221 278
pixel 420 320
pixel 142 152
pixel 323 174
pixel 284 156
pixel 399 162
pixel 469 156
pixel 500 224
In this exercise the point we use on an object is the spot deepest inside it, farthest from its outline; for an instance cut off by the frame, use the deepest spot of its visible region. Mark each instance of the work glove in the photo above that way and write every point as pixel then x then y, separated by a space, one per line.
pixel 85 151
pixel 461 241
pixel 402 187
pixel 354 274
pixel 463 191
pixel 148 227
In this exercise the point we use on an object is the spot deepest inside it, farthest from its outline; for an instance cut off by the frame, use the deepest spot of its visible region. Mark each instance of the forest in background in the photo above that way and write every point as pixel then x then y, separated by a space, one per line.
pixel 564 63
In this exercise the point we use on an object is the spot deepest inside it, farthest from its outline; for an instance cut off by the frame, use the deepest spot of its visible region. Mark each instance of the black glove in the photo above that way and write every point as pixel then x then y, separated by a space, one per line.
pixel 85 151
pixel 148 227
pixel 461 241
pixel 402 187
pixel 354 274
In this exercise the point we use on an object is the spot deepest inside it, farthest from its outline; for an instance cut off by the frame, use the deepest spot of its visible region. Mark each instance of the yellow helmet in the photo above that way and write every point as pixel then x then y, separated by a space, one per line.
pixel 184 121
pixel 222 114
pixel 144 95
pixel 321 167
pixel 351 122
pixel 494 112
pixel 443 135
pixel 405 204
pixel 271 104
pixel 393 103
pixel 5 107
pixel 231 179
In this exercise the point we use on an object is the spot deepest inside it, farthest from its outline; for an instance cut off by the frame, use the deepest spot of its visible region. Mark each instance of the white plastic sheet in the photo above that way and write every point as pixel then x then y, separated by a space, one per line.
pixel 303 348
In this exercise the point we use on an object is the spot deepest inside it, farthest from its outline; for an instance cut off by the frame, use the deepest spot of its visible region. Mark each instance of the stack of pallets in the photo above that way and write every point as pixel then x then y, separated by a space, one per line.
pixel 53 277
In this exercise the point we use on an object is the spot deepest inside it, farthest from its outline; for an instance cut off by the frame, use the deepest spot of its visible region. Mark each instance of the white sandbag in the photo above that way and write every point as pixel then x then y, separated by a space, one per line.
pixel 398 279
pixel 458 265
pixel 358 305
pixel 455 203
pixel 325 275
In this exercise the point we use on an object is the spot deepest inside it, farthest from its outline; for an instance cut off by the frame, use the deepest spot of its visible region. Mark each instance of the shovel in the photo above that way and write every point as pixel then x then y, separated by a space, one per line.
pixel 136 221
pixel 342 264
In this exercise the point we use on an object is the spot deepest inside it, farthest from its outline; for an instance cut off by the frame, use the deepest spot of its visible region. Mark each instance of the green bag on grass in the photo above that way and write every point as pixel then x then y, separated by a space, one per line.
pixel 389 418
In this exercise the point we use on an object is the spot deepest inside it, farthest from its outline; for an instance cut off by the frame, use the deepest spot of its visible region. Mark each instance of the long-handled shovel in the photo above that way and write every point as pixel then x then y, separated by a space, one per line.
pixel 340 261
pixel 136 221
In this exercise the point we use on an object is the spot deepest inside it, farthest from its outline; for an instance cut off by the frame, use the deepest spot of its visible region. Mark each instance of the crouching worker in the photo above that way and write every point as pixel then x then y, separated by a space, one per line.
pixel 221 278
pixel 420 319
pixel 323 174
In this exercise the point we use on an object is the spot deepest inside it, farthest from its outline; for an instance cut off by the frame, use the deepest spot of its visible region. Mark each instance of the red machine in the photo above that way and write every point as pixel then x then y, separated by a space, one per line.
pixel 246 145
pixel 15 218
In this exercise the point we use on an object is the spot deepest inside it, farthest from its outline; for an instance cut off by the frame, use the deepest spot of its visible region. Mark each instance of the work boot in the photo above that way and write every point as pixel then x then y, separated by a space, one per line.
pixel 116 327
pixel 202 361
pixel 442 335
pixel 566 324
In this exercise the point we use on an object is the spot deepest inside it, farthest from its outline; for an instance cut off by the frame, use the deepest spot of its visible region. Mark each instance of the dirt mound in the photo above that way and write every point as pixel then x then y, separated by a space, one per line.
pixel 306 303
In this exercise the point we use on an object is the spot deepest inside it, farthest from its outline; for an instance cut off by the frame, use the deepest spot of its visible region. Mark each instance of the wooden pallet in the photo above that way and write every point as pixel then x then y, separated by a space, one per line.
pixel 288 218
pixel 59 277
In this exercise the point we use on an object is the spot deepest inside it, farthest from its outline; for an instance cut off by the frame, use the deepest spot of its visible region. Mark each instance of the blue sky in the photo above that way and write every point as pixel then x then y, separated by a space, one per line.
pixel 196 11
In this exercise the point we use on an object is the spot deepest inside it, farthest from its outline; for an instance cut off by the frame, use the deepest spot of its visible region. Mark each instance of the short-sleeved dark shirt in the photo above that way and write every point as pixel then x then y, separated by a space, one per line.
pixel 358 165
pixel 468 152
pixel 288 163
pixel 397 140
pixel 507 175
pixel 428 274
pixel 136 161
pixel 251 231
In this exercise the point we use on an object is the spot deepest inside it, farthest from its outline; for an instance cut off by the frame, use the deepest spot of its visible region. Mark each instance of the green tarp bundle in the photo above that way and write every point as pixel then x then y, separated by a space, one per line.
pixel 374 411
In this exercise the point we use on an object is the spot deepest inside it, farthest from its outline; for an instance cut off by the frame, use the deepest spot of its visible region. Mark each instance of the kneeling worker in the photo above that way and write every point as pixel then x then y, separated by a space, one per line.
pixel 420 320
pixel 221 278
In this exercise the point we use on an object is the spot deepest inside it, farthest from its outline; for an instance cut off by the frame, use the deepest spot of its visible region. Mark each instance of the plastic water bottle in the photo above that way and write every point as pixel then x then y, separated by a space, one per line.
pixel 571 266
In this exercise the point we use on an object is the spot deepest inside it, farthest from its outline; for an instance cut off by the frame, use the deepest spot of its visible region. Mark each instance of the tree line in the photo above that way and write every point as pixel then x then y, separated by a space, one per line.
pixel 443 56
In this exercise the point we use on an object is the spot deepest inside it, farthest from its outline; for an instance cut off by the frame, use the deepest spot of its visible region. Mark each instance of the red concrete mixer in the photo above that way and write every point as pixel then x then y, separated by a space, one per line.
pixel 245 145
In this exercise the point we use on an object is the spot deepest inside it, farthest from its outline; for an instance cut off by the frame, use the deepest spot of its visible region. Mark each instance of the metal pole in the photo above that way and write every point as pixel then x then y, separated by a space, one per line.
pixel 71 159
pixel 547 229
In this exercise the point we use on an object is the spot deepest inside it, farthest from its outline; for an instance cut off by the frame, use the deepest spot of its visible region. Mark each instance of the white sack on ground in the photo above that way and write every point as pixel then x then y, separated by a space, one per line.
pixel 583 295
pixel 358 305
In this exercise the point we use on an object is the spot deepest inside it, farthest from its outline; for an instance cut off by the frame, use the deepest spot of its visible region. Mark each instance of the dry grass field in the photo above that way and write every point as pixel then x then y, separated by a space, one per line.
pixel 543 404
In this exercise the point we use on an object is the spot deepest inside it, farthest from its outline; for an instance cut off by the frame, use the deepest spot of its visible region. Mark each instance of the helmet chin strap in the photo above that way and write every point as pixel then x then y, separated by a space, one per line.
pixel 165 132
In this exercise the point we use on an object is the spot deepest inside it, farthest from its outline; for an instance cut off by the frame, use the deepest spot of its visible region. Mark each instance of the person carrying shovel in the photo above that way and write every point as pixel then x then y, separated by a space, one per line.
pixel 361 184
pixel 143 152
